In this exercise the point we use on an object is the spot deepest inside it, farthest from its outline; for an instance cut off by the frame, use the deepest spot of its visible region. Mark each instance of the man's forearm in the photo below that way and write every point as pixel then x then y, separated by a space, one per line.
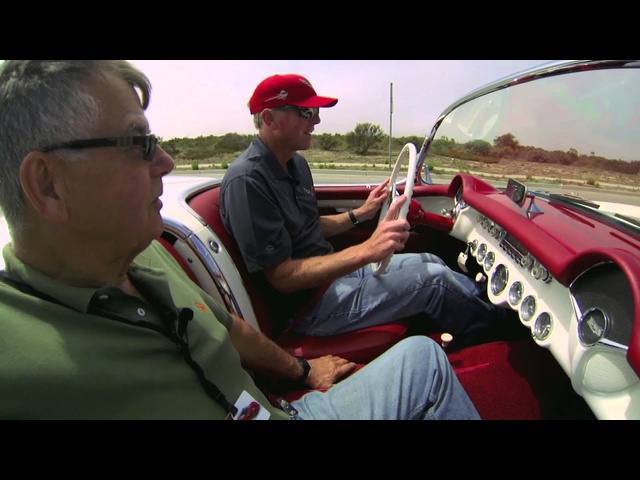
pixel 299 274
pixel 260 354
pixel 335 224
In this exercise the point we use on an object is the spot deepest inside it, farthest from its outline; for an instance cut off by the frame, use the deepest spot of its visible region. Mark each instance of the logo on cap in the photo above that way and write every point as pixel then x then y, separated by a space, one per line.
pixel 281 96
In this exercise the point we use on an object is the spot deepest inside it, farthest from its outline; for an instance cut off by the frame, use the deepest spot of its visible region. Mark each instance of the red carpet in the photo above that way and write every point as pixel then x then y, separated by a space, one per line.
pixel 517 380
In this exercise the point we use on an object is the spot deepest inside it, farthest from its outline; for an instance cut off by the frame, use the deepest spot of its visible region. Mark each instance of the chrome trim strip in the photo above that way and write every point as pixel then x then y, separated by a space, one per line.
pixel 202 252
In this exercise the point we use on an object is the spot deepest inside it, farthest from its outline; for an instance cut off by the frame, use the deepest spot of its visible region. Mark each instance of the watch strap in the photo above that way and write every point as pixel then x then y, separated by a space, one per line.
pixel 306 368
pixel 353 218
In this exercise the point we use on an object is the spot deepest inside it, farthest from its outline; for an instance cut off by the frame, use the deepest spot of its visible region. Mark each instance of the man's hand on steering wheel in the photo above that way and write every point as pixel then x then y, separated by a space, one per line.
pixel 374 201
pixel 391 234
pixel 408 152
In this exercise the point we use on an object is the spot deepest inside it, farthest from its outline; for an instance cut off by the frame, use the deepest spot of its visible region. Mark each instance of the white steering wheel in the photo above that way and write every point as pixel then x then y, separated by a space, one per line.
pixel 408 151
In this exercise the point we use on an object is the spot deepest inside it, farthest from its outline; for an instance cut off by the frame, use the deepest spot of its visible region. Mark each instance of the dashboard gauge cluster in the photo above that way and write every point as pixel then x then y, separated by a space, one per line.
pixel 512 248
pixel 587 325
pixel 513 274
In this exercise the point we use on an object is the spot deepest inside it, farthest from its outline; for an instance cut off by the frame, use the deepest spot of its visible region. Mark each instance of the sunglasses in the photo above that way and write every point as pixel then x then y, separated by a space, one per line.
pixel 147 143
pixel 303 112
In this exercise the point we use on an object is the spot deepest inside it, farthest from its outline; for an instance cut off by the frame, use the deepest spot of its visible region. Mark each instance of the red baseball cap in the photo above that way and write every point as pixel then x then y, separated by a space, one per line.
pixel 290 89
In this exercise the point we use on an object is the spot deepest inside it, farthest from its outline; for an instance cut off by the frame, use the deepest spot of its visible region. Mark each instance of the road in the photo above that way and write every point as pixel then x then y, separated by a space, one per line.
pixel 364 176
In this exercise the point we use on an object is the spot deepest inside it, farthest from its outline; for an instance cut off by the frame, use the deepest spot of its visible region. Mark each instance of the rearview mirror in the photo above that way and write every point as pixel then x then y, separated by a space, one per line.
pixel 516 191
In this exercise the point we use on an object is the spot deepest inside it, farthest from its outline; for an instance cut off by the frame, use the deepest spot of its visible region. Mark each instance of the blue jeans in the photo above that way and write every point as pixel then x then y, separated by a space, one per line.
pixel 413 284
pixel 413 380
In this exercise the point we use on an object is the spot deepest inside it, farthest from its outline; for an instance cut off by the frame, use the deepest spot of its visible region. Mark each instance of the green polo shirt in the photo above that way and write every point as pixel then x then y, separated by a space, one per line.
pixel 93 356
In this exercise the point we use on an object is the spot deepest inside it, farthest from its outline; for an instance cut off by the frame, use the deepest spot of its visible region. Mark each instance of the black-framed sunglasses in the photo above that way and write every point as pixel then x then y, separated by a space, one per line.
pixel 303 112
pixel 148 144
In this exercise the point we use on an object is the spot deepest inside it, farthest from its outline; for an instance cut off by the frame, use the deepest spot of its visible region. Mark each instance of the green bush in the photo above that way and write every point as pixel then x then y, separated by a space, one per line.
pixel 195 166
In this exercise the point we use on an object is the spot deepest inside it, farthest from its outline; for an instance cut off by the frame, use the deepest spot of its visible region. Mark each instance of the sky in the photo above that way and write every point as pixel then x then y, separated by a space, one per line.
pixel 192 98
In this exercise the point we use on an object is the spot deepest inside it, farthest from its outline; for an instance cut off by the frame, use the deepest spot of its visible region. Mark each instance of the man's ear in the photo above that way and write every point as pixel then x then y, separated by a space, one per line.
pixel 269 119
pixel 38 179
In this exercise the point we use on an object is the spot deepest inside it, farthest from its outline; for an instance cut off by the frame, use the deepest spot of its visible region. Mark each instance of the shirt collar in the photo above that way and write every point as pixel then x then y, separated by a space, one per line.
pixel 78 298
pixel 270 161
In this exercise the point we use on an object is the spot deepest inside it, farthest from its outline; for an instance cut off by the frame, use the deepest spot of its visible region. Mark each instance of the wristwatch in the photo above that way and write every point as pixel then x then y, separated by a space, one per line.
pixel 306 368
pixel 353 218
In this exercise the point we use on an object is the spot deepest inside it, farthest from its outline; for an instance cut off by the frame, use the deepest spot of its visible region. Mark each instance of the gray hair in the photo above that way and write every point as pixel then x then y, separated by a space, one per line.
pixel 45 102
pixel 257 117
pixel 257 120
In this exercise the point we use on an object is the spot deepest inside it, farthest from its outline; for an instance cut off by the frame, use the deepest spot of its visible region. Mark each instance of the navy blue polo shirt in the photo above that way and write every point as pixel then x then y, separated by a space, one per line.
pixel 271 213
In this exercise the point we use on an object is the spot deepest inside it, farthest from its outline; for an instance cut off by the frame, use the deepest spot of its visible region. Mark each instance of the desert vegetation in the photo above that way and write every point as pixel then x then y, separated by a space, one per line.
pixel 368 147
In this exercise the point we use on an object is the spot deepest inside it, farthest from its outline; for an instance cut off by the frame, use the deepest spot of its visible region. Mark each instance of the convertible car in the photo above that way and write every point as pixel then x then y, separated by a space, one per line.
pixel 563 254
pixel 560 253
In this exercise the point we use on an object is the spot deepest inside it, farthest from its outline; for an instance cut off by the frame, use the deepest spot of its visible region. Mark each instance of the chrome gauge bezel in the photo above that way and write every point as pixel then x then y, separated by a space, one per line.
pixel 542 327
pixel 528 307
pixel 499 279
pixel 482 251
pixel 489 260
pixel 515 293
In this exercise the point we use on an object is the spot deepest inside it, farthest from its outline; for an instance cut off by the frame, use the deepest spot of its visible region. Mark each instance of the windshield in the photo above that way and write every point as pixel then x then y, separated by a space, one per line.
pixel 574 136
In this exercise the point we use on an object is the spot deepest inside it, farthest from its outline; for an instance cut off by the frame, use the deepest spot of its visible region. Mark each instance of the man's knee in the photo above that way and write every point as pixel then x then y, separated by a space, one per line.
pixel 420 349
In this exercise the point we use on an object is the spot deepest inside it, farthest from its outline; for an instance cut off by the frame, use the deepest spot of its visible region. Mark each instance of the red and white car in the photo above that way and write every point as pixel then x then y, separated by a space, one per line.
pixel 565 258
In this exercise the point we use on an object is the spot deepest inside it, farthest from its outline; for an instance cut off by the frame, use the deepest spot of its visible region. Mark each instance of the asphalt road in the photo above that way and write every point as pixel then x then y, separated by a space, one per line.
pixel 363 176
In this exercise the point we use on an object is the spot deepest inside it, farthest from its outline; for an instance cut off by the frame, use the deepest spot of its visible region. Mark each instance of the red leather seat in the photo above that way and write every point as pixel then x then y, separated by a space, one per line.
pixel 360 346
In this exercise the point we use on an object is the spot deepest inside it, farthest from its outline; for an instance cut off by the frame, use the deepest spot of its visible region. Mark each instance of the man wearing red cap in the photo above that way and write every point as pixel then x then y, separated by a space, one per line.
pixel 287 90
pixel 283 239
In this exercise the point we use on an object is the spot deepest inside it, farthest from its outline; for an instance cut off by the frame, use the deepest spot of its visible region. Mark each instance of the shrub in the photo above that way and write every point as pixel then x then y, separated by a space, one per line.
pixel 327 141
